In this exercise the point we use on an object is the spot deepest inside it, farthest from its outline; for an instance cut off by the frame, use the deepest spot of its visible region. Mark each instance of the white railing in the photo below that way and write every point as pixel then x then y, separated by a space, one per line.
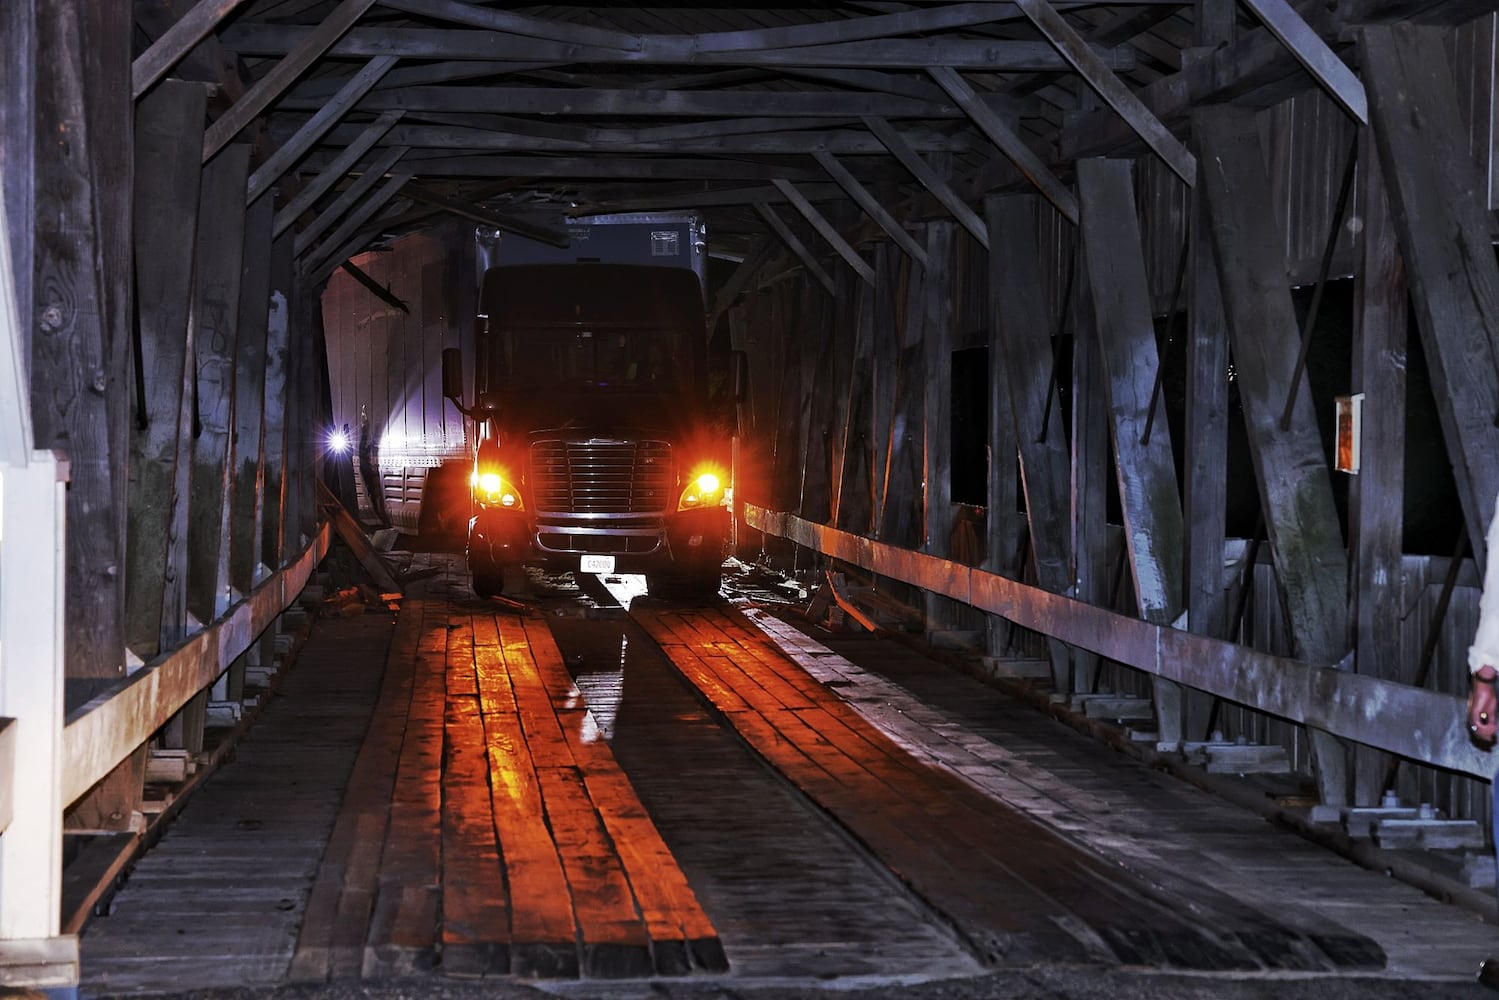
pixel 32 505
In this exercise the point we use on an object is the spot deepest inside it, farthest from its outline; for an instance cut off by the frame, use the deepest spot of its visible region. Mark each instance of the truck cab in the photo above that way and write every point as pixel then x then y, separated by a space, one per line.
pixel 597 446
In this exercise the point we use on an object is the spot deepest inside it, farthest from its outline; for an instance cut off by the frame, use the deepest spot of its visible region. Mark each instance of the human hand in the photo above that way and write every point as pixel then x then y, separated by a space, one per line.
pixel 1483 706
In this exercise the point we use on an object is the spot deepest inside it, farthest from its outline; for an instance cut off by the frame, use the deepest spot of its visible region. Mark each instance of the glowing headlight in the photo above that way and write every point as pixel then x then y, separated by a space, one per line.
pixel 704 489
pixel 338 442
pixel 491 490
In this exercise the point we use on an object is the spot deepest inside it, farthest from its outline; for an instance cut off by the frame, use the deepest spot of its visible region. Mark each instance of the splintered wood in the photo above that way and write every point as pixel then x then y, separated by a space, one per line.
pixel 487 832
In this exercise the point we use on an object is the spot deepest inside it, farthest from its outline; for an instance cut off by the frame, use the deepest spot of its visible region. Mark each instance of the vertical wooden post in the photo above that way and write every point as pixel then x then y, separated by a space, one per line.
pixel 856 484
pixel 1205 490
pixel 249 399
pixel 845 318
pixel 1026 335
pixel 901 514
pixel 1004 526
pixel 1146 470
pixel 245 499
pixel 1445 228
pixel 817 316
pixel 275 306
pixel 169 146
pixel 786 470
pixel 80 366
pixel 893 272
pixel 18 178
pixel 1092 575
pixel 220 246
pixel 274 546
pixel 936 401
pixel 1290 467
pixel 1376 496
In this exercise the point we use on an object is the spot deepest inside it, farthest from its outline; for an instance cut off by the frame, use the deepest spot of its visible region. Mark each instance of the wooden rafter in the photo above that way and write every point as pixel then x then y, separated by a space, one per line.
pixel 825 229
pixel 871 205
pixel 457 44
pixel 270 86
pixel 795 245
pixel 334 172
pixel 899 145
pixel 315 127
pixel 164 53
pixel 1113 90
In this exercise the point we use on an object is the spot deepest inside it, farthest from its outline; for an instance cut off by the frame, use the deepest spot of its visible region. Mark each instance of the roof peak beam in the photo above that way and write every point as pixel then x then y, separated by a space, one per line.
pixel 1076 50
pixel 1025 159
pixel 316 127
pixel 490 46
pixel 634 103
pixel 606 166
pixel 960 15
pixel 843 142
pixel 282 75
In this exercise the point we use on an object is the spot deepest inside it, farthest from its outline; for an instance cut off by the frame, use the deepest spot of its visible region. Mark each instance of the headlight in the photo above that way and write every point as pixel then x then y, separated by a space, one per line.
pixel 493 489
pixel 705 488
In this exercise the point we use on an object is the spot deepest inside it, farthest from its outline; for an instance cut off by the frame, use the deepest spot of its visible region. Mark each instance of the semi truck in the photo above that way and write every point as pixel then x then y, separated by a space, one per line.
pixel 601 438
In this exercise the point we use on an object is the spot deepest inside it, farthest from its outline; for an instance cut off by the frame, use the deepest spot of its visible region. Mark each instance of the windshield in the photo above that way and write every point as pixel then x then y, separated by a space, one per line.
pixel 644 359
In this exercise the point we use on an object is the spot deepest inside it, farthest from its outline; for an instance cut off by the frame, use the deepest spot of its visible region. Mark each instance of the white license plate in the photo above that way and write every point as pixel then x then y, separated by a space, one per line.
pixel 597 564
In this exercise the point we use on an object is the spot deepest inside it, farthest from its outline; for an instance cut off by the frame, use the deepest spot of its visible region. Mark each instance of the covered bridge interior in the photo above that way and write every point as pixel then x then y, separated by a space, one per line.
pixel 1156 343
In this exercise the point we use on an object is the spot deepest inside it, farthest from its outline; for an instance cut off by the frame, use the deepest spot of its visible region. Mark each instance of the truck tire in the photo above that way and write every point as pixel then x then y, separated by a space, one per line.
pixel 486 576
pixel 488 583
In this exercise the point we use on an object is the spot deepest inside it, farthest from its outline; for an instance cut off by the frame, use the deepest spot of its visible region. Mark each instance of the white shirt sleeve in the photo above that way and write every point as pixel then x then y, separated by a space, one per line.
pixel 1485 648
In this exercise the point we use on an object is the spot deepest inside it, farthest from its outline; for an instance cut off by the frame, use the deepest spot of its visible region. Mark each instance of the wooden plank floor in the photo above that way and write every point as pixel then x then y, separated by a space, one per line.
pixel 510 841
pixel 218 901
pixel 1146 821
pixel 1019 889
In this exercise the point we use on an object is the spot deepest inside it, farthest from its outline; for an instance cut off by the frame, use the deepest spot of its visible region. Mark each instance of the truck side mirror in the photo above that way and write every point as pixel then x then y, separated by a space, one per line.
pixel 452 375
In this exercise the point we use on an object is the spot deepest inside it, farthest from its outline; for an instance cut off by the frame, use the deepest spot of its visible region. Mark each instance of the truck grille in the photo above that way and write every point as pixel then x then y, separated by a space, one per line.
pixel 601 477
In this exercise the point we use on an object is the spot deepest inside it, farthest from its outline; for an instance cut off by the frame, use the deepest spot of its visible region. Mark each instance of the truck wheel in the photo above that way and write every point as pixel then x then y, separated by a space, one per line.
pixel 489 583
pixel 486 576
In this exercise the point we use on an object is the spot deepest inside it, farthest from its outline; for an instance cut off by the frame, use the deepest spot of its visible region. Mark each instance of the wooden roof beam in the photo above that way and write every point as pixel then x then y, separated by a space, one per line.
pixel 270 86
pixel 654 103
pixel 901 148
pixel 608 167
pixel 825 229
pixel 871 206
pixel 178 40
pixel 348 199
pixel 367 208
pixel 770 143
pixel 1113 90
pixel 315 127
pixel 1330 72
pixel 335 171
pixel 551 235
pixel 1025 159
pixel 993 55
pixel 796 246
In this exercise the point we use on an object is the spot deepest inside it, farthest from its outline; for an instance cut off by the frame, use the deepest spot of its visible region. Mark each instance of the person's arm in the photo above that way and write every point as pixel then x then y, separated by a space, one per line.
pixel 1483 655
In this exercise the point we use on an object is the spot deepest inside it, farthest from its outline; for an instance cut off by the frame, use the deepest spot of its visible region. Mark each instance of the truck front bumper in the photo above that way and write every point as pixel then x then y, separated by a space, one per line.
pixel 688 539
